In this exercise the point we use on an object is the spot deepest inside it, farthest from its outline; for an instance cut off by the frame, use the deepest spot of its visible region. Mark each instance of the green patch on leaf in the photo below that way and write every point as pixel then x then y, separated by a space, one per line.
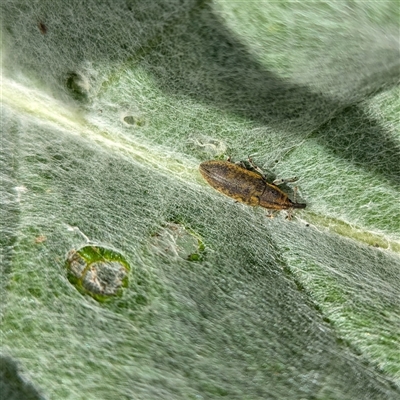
pixel 97 271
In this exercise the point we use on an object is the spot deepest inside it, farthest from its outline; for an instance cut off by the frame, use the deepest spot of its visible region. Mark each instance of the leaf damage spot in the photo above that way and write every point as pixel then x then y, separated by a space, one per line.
pixel 134 120
pixel 207 146
pixel 97 271
pixel 78 86
pixel 176 241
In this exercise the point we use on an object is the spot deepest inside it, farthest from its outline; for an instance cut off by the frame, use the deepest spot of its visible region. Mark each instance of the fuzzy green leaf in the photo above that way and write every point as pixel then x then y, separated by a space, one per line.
pixel 108 108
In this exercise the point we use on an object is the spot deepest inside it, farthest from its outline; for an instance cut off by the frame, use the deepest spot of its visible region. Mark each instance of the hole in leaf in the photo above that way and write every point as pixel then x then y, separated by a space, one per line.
pixel 97 271
pixel 176 241
pixel 136 121
pixel 78 86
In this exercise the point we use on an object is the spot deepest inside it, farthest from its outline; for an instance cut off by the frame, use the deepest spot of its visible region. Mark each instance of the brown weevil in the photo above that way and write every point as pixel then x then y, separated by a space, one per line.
pixel 246 186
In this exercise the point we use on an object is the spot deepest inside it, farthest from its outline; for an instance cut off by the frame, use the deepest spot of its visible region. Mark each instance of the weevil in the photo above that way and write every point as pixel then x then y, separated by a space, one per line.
pixel 246 186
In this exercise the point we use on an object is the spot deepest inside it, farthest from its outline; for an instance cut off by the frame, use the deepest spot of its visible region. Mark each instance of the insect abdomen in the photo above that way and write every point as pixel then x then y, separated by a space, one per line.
pixel 234 181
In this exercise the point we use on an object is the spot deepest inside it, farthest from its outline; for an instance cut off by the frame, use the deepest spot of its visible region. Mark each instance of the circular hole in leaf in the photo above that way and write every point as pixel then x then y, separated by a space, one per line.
pixel 174 240
pixel 207 146
pixel 131 120
pixel 97 271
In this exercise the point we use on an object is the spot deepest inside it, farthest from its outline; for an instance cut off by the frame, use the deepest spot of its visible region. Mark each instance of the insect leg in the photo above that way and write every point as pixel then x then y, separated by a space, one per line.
pixel 278 182
pixel 289 215
pixel 272 213
pixel 255 167
pixel 295 194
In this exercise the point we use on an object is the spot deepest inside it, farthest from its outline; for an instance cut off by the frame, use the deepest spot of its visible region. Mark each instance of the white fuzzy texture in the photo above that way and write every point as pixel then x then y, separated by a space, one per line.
pixel 107 110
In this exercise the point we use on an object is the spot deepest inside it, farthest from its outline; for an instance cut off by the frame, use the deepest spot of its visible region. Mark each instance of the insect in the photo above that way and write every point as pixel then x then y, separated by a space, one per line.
pixel 246 186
